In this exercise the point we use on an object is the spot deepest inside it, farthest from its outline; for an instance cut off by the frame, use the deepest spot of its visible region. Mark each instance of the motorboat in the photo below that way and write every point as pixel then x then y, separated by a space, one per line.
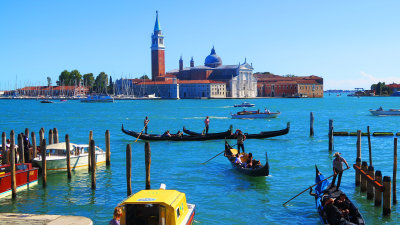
pixel 381 112
pixel 255 114
pixel 56 156
pixel 26 176
pixel 244 104
pixel 157 206
pixel 46 101
pixel 97 98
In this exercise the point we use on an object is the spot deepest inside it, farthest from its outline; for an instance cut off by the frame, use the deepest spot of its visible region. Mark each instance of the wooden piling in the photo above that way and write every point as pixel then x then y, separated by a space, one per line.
pixel 90 161
pixel 55 135
pixel 93 160
pixel 311 124
pixel 50 136
pixel 378 193
pixel 147 154
pixel 41 135
pixel 359 144
pixel 386 210
pixel 3 148
pixel 128 169
pixel 108 148
pixel 394 171
pixel 27 133
pixel 44 164
pixel 369 146
pixel 34 150
pixel 13 178
pixel 21 149
pixel 358 175
pixel 68 156
pixel 364 167
pixel 370 185
pixel 330 135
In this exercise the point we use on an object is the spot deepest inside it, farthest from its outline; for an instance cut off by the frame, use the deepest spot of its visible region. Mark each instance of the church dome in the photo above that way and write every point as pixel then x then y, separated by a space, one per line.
pixel 213 60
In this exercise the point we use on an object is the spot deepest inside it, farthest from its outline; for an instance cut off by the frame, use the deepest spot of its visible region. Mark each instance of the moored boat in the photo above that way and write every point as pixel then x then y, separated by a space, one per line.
pixel 323 192
pixel 97 98
pixel 257 170
pixel 262 134
pixel 25 175
pixel 255 114
pixel 381 112
pixel 167 207
pixel 46 101
pixel 56 157
pixel 244 104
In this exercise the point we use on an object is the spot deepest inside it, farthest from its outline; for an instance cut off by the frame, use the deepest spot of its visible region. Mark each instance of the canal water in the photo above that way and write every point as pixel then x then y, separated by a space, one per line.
pixel 221 195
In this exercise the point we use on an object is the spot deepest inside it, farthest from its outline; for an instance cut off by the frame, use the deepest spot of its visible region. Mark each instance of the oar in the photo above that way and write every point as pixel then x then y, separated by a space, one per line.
pixel 141 132
pixel 311 187
pixel 215 156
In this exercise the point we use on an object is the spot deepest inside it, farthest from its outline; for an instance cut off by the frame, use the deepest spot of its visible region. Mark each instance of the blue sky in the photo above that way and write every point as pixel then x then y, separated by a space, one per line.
pixel 349 43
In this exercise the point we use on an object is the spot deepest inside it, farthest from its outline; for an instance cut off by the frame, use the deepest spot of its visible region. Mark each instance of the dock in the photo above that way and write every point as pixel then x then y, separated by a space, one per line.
pixel 37 219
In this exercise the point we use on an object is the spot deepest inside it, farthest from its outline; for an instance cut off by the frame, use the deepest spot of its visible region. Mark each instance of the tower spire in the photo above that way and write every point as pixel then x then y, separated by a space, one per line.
pixel 157 26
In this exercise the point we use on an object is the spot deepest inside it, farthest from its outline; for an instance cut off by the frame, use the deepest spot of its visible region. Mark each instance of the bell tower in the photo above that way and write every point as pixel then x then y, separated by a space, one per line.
pixel 157 52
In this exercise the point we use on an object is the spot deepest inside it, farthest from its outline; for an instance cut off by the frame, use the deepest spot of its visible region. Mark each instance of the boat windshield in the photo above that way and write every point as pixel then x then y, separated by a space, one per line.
pixel 145 214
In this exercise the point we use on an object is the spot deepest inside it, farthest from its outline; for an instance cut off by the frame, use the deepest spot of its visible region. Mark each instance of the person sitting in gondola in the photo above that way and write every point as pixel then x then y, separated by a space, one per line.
pixel 334 215
pixel 179 134
pixel 348 209
pixel 249 162
pixel 166 134
pixel 238 159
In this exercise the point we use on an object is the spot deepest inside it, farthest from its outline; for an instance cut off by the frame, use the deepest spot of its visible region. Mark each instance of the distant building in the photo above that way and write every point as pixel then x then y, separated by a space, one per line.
pixel 269 85
pixel 54 91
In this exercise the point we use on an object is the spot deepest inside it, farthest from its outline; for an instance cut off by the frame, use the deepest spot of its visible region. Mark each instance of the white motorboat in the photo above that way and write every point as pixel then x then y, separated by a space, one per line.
pixel 381 112
pixel 56 157
pixel 255 114
pixel 244 104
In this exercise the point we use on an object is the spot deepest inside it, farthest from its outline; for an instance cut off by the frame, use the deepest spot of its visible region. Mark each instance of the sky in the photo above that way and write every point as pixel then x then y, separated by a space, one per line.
pixel 351 44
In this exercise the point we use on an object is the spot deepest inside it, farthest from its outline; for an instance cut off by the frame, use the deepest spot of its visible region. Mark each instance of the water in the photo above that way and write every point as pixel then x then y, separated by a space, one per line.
pixel 222 196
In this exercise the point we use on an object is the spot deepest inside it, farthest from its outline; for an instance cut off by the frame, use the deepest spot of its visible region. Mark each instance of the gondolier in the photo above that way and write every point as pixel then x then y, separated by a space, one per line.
pixel 240 140
pixel 338 169
pixel 146 121
pixel 207 123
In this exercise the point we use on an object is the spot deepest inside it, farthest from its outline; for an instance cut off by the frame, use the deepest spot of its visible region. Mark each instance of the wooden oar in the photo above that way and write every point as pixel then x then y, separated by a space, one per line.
pixel 215 156
pixel 311 187
pixel 140 133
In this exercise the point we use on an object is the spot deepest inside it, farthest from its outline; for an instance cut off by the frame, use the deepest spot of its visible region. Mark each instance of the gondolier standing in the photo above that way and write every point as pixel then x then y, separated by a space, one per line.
pixel 338 169
pixel 240 140
pixel 146 121
pixel 207 123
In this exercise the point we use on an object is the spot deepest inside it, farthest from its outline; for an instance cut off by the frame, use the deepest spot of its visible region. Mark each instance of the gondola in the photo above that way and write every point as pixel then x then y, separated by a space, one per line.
pixel 259 171
pixel 263 134
pixel 323 191
pixel 173 137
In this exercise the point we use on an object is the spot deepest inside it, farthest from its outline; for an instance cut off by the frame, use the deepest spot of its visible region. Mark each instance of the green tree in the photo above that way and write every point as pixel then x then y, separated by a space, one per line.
pixel 101 83
pixel 48 81
pixel 88 80
pixel 64 78
pixel 111 86
pixel 144 77
pixel 76 77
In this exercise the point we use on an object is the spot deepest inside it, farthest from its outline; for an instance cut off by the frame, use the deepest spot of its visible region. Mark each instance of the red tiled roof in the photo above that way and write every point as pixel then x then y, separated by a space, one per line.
pixel 200 82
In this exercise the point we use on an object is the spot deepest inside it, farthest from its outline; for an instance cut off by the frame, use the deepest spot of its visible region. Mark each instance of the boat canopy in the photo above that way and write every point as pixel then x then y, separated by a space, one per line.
pixel 164 197
pixel 61 146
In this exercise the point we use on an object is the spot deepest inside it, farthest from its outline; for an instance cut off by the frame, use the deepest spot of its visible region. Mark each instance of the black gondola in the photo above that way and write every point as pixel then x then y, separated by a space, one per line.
pixel 173 137
pixel 229 135
pixel 258 171
pixel 323 191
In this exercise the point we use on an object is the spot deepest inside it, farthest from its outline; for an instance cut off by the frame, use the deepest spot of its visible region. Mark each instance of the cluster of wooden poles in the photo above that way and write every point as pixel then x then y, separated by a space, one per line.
pixel 147 154
pixel 53 139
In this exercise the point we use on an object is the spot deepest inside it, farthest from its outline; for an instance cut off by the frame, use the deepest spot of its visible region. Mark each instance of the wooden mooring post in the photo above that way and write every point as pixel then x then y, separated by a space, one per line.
pixel 359 144
pixel 68 156
pixel 3 148
pixel 108 148
pixel 311 124
pixel 55 135
pixel 147 154
pixel 34 148
pixel 21 148
pixel 364 167
pixel 128 169
pixel 386 196
pixel 370 185
pixel 89 161
pixel 41 135
pixel 358 175
pixel 50 136
pixel 13 178
pixel 394 171
pixel 378 192
pixel 44 165
pixel 27 133
pixel 330 135
pixel 369 146
pixel 93 161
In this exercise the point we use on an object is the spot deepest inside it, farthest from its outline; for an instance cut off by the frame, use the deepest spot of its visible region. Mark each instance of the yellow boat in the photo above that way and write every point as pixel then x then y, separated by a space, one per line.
pixel 151 207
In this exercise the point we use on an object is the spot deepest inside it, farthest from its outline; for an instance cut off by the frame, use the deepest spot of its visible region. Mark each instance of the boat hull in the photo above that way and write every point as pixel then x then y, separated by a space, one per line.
pixel 24 179
pixel 385 113
pixel 56 164
pixel 255 116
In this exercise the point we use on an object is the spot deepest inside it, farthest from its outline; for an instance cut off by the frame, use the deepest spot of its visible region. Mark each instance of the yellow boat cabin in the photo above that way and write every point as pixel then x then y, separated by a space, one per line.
pixel 151 207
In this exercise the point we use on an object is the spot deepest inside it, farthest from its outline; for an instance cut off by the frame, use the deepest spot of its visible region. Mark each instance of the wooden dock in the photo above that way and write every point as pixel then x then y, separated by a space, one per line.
pixel 36 219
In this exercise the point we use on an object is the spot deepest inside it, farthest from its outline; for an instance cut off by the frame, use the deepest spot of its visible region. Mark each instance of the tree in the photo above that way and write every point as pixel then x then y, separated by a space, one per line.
pixel 76 77
pixel 144 77
pixel 381 89
pixel 64 78
pixel 88 80
pixel 101 82
pixel 111 86
pixel 48 81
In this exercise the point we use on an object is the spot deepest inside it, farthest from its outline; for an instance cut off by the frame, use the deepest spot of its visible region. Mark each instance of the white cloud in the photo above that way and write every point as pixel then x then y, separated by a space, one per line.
pixel 363 80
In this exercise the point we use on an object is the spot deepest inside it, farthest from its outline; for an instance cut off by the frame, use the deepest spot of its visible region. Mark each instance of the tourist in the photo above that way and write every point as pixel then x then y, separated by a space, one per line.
pixel 338 169
pixel 146 122
pixel 238 160
pixel 117 216
pixel 166 134
pixel 207 123
pixel 240 140
pixel 249 162
pixel 334 215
